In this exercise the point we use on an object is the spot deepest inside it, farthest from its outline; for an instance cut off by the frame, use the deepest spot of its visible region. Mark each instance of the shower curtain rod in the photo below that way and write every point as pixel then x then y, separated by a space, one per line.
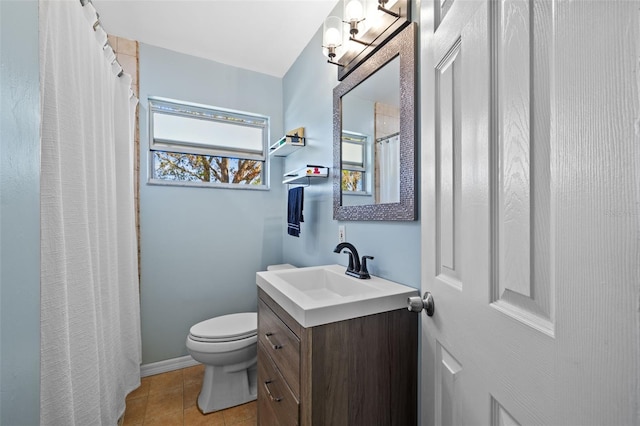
pixel 387 137
pixel 97 24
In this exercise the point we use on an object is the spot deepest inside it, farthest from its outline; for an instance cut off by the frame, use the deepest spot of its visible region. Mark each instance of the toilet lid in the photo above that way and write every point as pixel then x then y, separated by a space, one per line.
pixel 227 327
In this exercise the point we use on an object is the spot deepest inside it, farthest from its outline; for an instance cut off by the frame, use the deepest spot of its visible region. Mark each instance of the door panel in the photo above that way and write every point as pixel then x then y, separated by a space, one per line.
pixel 447 393
pixel 448 165
pixel 521 285
pixel 530 217
pixel 500 416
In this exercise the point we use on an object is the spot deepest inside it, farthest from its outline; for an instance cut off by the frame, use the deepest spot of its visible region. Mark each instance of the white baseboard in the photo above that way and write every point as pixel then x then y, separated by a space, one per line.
pixel 167 365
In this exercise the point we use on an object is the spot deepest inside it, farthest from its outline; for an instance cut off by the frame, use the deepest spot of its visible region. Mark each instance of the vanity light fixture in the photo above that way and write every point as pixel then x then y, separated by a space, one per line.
pixel 383 6
pixel 367 23
pixel 355 12
pixel 332 38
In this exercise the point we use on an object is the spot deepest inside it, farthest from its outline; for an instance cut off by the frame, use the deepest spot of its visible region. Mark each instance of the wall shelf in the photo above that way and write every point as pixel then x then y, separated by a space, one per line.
pixel 291 142
pixel 305 174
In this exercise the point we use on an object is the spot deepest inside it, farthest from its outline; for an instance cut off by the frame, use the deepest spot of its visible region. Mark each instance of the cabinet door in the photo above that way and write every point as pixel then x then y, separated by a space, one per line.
pixel 277 405
pixel 281 344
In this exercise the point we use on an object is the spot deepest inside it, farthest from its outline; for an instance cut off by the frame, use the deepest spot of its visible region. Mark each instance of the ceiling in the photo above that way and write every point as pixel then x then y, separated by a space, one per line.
pixel 259 35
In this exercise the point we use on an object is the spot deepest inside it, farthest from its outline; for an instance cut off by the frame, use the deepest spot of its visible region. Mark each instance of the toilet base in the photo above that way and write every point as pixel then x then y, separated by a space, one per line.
pixel 223 387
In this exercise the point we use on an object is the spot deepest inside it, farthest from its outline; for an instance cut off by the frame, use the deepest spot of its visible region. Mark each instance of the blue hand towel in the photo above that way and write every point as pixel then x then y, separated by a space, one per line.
pixel 294 211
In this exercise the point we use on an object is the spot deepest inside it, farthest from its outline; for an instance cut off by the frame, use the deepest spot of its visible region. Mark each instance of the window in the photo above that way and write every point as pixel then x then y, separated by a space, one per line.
pixel 353 162
pixel 206 146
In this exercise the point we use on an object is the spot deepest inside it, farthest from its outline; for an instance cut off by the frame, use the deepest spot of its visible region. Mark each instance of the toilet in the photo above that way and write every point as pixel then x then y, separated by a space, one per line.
pixel 226 345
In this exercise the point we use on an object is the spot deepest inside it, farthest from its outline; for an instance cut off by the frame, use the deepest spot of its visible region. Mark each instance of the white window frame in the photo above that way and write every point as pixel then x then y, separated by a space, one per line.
pixel 360 140
pixel 158 105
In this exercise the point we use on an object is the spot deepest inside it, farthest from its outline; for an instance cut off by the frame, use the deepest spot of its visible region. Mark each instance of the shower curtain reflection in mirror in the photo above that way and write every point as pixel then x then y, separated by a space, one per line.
pixel 388 169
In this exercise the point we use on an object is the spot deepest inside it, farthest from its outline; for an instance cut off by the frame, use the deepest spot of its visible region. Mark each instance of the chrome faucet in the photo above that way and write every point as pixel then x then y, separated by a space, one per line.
pixel 355 268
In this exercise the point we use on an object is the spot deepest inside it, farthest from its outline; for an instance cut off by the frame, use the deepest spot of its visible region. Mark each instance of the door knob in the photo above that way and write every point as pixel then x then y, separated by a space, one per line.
pixel 417 304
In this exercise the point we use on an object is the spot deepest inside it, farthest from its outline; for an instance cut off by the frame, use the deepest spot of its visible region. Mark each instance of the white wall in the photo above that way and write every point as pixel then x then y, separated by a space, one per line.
pixel 201 247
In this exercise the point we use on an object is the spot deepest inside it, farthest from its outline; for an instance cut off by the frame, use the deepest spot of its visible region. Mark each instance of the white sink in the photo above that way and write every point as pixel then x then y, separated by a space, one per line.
pixel 319 295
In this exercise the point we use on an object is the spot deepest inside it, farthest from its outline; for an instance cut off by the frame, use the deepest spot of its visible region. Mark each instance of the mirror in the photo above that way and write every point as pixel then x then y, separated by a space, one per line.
pixel 374 136
pixel 370 139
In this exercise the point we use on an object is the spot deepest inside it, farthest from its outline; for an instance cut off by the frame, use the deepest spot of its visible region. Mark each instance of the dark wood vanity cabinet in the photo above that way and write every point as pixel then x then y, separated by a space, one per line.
pixel 361 371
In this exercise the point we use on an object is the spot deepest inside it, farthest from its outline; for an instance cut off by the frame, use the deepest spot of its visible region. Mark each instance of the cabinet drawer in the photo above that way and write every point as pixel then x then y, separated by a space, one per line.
pixel 277 406
pixel 281 344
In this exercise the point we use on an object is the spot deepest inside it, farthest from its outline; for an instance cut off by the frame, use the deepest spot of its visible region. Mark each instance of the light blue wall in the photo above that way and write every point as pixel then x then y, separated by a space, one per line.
pixel 201 247
pixel 308 102
pixel 19 214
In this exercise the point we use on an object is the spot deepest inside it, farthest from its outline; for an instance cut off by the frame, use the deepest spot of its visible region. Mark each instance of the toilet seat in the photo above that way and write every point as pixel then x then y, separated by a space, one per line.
pixel 226 328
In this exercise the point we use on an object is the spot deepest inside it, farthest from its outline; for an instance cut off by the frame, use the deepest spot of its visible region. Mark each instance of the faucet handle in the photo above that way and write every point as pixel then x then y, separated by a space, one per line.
pixel 363 268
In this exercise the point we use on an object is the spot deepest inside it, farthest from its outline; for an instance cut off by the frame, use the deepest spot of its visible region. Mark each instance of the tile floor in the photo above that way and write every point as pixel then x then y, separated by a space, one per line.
pixel 169 399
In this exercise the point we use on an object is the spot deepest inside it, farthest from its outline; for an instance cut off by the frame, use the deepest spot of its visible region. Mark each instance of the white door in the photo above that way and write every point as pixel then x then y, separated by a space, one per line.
pixel 530 212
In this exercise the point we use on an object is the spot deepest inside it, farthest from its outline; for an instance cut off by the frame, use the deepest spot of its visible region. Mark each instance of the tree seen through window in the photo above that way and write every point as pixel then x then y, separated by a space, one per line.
pixel 205 168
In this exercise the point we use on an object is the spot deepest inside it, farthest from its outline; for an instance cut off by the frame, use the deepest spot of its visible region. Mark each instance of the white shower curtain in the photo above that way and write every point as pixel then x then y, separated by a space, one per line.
pixel 90 318
pixel 389 161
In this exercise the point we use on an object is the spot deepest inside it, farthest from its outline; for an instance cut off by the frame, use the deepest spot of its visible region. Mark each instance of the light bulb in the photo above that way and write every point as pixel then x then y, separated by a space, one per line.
pixel 332 34
pixel 332 37
pixel 353 11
